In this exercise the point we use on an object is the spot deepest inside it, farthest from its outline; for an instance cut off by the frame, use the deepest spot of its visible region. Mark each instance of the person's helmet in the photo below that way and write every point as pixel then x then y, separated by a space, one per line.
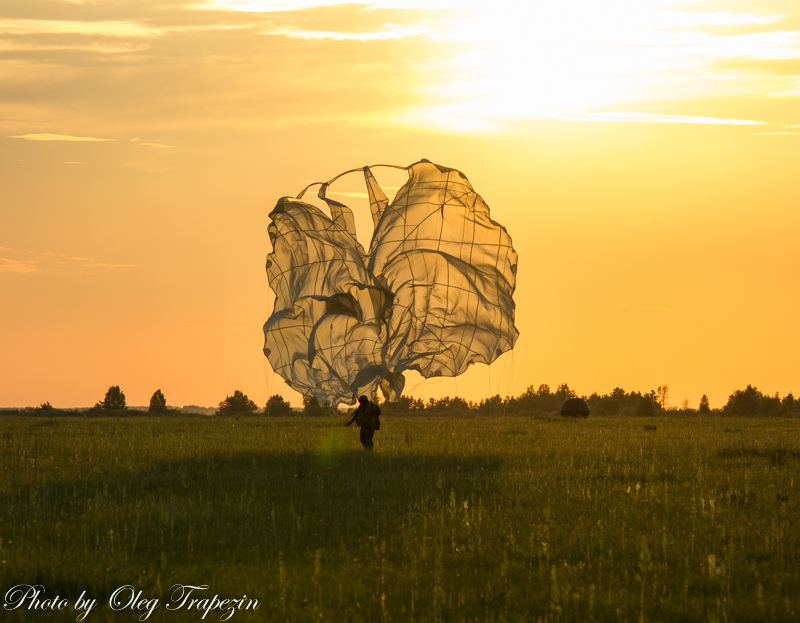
pixel 363 400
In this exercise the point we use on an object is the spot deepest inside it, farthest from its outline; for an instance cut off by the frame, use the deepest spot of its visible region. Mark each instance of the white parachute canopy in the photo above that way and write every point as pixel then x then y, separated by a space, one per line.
pixel 434 293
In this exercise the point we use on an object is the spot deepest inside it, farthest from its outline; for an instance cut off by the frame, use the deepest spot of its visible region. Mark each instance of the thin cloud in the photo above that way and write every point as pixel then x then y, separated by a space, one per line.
pixel 281 6
pixel 61 137
pixel 391 32
pixel 18 266
pixel 50 261
pixel 777 133
pixel 357 195
pixel 100 47
pixel 793 93
pixel 643 117
pixel 61 27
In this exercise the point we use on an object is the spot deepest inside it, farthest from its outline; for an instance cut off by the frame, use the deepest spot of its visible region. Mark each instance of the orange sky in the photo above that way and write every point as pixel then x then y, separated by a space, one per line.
pixel 642 154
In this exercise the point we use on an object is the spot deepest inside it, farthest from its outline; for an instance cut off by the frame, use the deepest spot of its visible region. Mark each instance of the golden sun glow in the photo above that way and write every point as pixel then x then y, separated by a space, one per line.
pixel 539 59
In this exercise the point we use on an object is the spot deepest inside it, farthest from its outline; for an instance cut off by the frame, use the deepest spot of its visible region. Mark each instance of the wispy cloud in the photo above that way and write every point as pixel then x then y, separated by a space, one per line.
pixel 62 27
pixel 391 31
pixel 356 195
pixel 641 117
pixel 150 143
pixel 61 137
pixel 276 6
pixel 792 93
pixel 38 261
pixel 18 266
pixel 36 44
pixel 778 133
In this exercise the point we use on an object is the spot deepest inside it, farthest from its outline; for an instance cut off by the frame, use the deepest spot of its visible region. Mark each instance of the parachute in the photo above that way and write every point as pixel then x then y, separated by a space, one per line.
pixel 433 294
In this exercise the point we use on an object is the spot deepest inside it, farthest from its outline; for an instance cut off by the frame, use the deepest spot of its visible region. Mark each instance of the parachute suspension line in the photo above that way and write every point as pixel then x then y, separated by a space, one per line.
pixel 266 384
pixel 489 397
pixel 511 373
pixel 303 192
pixel 268 372
pixel 361 169
pixel 500 382
pixel 502 372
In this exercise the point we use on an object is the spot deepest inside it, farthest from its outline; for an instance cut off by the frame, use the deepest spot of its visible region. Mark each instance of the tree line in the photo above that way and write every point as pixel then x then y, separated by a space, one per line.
pixel 533 400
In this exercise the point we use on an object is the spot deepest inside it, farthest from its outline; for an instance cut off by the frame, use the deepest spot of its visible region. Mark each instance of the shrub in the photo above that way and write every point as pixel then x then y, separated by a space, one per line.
pixel 277 405
pixel 114 400
pixel 158 404
pixel 311 406
pixel 608 406
pixel 647 405
pixel 238 403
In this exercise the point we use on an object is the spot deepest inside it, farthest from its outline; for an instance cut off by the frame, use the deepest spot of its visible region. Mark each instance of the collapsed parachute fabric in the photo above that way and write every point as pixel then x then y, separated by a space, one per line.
pixel 434 293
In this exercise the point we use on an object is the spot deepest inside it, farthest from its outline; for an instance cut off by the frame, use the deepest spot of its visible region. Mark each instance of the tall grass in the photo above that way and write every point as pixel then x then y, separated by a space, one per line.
pixel 451 518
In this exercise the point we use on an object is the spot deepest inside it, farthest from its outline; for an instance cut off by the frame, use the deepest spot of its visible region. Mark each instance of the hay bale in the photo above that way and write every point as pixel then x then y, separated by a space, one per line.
pixel 575 407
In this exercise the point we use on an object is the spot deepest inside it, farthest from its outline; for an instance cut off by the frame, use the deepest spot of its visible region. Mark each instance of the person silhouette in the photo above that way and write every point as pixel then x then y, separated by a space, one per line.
pixel 367 417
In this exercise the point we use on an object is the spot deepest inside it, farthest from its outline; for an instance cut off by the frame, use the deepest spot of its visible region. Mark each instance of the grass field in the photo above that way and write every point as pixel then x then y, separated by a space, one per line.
pixel 451 518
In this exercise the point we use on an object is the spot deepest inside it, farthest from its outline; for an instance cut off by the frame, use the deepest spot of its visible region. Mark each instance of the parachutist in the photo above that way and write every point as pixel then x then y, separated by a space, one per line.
pixel 367 417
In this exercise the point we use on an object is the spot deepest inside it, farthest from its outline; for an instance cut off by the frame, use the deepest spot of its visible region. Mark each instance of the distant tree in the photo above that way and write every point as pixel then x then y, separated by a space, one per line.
pixel 115 399
pixel 158 404
pixel 704 407
pixel 790 404
pixel 619 395
pixel 311 406
pixel 491 406
pixel 403 404
pixel 647 405
pixel 238 403
pixel 442 405
pixel 45 406
pixel 771 405
pixel 662 396
pixel 744 402
pixel 277 405
pixel 608 406
pixel 563 392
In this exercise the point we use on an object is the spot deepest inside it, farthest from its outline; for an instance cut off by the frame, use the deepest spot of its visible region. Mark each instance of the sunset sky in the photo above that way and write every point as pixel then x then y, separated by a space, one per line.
pixel 644 155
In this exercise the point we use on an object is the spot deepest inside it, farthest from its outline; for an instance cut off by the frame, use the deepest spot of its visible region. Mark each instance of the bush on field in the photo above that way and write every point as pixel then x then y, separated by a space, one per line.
pixel 277 405
pixel 114 400
pixel 238 403
pixel 158 403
